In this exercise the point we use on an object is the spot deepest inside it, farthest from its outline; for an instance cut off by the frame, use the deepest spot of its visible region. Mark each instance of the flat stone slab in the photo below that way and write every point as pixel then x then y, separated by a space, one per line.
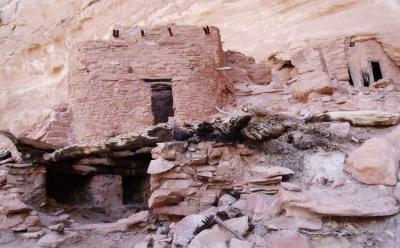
pixel 350 200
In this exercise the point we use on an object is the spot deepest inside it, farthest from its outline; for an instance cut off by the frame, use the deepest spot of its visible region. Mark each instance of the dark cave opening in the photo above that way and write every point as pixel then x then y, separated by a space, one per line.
pixel 66 188
pixel 136 190
pixel 124 182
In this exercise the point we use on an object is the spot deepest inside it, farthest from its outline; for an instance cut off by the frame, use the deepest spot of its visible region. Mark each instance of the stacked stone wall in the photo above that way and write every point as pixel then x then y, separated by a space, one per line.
pixel 107 88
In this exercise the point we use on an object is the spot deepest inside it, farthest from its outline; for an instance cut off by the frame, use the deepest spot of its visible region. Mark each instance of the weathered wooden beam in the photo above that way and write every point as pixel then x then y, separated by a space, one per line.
pixel 358 118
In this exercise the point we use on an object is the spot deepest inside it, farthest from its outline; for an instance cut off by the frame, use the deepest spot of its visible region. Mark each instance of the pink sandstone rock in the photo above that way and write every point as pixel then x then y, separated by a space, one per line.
pixel 121 225
pixel 162 197
pixel 287 239
pixel 313 82
pixel 178 210
pixel 348 200
pixel 374 162
pixel 268 172
pixel 159 165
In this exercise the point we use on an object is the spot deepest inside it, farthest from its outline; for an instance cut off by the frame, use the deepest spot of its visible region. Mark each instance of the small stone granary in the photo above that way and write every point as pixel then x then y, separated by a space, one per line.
pixel 368 63
pixel 141 77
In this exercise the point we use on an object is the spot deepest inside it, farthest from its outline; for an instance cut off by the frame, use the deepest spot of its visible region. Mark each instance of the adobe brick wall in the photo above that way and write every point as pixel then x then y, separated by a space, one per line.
pixel 106 88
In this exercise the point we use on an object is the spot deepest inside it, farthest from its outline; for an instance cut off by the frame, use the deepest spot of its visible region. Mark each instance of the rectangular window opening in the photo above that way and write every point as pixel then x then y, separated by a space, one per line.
pixel 376 70
pixel 161 98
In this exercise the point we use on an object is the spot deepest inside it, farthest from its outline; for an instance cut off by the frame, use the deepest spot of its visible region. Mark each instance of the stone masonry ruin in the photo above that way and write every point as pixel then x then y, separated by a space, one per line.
pixel 162 128
pixel 120 85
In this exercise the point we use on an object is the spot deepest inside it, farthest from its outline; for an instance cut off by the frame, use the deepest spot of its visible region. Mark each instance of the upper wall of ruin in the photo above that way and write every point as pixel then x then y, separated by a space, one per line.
pixel 107 89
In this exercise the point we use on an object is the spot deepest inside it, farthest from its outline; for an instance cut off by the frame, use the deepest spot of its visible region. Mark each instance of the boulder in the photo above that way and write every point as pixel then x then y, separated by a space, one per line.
pixel 287 239
pixel 312 82
pixel 162 197
pixel 348 200
pixel 374 162
pixel 159 165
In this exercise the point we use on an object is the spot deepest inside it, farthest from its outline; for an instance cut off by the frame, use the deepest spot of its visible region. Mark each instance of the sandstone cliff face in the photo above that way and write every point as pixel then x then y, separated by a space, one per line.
pixel 35 37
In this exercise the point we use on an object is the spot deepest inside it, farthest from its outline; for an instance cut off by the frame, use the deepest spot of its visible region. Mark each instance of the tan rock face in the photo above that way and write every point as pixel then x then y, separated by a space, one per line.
pixel 374 162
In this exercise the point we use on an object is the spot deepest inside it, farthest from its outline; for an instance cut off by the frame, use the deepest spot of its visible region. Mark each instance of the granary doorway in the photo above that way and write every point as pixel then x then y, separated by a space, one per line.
pixel 376 71
pixel 161 99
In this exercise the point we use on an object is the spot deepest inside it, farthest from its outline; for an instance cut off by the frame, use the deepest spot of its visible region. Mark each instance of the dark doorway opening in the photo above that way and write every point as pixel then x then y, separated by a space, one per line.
pixel 66 188
pixel 376 70
pixel 136 185
pixel 136 191
pixel 161 99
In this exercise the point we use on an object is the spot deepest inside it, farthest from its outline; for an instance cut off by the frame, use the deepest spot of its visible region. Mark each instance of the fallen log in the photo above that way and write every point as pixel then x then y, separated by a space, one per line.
pixel 358 118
